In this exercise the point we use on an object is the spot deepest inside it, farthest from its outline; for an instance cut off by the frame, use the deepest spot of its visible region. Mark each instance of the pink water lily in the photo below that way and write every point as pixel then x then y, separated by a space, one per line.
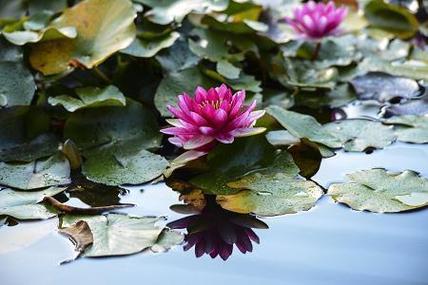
pixel 211 116
pixel 317 20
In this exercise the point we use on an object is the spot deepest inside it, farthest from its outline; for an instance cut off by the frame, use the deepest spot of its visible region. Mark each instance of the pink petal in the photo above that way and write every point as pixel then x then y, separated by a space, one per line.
pixel 225 138
pixel 246 132
pixel 197 142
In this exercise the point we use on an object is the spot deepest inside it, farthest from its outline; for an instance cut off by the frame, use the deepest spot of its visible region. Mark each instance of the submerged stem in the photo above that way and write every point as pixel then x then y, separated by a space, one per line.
pixel 316 51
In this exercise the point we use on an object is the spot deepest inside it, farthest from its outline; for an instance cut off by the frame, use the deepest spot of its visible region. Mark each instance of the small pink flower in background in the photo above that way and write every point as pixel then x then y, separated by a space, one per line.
pixel 317 20
pixel 211 116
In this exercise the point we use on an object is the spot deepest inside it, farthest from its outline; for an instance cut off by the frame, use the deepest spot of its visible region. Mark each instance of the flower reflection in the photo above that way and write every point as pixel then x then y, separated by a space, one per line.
pixel 215 231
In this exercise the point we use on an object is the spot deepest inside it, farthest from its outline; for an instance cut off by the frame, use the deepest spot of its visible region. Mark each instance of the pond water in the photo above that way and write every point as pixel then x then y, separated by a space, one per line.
pixel 330 244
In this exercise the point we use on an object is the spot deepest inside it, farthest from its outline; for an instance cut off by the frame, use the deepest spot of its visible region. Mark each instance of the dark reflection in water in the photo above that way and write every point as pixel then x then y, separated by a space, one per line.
pixel 214 231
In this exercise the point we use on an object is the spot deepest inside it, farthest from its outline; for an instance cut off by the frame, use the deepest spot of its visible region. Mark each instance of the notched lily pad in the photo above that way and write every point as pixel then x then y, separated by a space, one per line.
pixel 115 234
pixel 90 97
pixel 377 190
pixel 103 27
pixel 360 134
pixel 413 129
pixel 37 174
pixel 276 190
pixel 25 205
pixel 384 87
pixel 303 126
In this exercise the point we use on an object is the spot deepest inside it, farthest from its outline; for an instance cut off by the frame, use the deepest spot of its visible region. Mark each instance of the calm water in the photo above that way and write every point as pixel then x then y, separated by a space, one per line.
pixel 331 244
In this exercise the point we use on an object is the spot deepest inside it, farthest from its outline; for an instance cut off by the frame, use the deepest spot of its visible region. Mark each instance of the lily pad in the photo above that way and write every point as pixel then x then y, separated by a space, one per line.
pixel 24 135
pixel 165 12
pixel 176 83
pixel 103 27
pixel 90 97
pixel 413 129
pixel 17 84
pixel 117 234
pixel 229 162
pixel 360 134
pixel 37 174
pixel 391 18
pixel 21 38
pixel 24 205
pixel 142 47
pixel 117 165
pixel 98 126
pixel 384 87
pixel 178 57
pixel 377 190
pixel 411 107
pixel 276 190
pixel 303 126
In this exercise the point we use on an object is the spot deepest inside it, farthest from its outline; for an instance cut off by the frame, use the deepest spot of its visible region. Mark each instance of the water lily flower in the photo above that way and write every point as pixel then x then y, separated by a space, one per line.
pixel 215 231
pixel 314 21
pixel 210 117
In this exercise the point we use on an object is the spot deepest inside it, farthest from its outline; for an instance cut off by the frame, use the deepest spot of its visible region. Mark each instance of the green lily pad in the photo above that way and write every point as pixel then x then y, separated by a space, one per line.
pixel 24 205
pixel 377 190
pixel 410 128
pixel 103 27
pixel 303 126
pixel 142 47
pixel 89 128
pixel 384 87
pixel 116 165
pixel 21 38
pixel 17 86
pixel 165 12
pixel 175 84
pixel 229 162
pixel 90 97
pixel 178 57
pixel 276 190
pixel 24 135
pixel 37 174
pixel 360 134
pixel 116 234
pixel 228 70
pixel 391 18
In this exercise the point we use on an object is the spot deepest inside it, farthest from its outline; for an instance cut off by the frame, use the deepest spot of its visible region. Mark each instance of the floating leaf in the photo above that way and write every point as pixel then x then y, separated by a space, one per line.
pixel 411 107
pixel 24 205
pixel 412 69
pixel 178 57
pixel 384 87
pixel 117 234
pixel 165 12
pixel 38 174
pixel 50 33
pixel 141 47
pixel 103 27
pixel 273 191
pixel 176 83
pixel 90 97
pixel 377 190
pixel 229 162
pixel 391 18
pixel 24 136
pixel 17 85
pixel 95 127
pixel 119 165
pixel 228 70
pixel 413 129
pixel 303 126
pixel 360 134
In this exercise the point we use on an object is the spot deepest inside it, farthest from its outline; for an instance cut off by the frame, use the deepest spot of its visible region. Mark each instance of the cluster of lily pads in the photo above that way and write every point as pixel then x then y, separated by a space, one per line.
pixel 86 87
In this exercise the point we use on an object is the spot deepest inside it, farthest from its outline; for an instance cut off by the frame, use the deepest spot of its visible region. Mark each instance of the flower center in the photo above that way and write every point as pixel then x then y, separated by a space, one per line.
pixel 215 103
